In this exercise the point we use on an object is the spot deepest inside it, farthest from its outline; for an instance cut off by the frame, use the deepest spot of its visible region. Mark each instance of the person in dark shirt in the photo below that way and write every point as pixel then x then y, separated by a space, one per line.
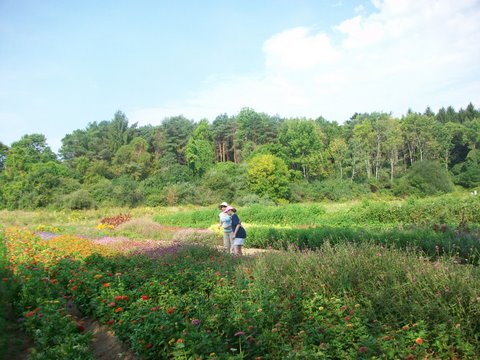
pixel 239 233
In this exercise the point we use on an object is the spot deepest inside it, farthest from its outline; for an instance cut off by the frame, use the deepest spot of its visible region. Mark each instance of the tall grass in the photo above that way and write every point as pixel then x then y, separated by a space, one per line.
pixel 393 287
pixel 452 210
pixel 465 247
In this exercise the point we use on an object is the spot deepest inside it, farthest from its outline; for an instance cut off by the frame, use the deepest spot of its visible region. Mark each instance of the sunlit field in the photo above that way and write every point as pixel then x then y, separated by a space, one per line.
pixel 359 280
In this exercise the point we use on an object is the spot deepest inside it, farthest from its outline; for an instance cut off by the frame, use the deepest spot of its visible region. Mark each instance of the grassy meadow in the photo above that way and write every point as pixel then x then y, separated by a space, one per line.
pixel 363 280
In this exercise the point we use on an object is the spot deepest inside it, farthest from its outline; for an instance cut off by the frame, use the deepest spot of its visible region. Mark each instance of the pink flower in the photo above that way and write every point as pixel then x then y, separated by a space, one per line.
pixel 239 333
pixel 195 322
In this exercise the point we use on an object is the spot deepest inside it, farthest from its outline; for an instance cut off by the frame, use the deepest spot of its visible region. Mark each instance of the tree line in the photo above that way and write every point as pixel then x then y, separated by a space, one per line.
pixel 251 157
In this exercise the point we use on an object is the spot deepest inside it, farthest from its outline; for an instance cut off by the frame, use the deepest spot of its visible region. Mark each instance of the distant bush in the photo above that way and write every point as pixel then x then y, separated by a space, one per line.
pixel 467 174
pixel 445 209
pixel 251 199
pixel 336 190
pixel 78 200
pixel 424 178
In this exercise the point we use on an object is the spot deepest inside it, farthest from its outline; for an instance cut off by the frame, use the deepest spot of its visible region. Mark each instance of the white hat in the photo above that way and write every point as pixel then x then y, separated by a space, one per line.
pixel 224 204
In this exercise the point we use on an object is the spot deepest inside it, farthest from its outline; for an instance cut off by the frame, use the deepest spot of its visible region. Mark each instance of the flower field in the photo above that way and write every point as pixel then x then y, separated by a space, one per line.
pixel 185 301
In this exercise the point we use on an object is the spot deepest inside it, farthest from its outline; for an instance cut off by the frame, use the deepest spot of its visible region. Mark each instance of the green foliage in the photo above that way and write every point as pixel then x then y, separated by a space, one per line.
pixel 125 192
pixel 433 244
pixel 467 174
pixel 268 176
pixel 165 180
pixel 133 159
pixel 372 149
pixel 337 190
pixel 79 200
pixel 199 152
pixel 343 301
pixel 223 180
pixel 8 291
pixel 302 142
pixel 425 178
pixel 177 131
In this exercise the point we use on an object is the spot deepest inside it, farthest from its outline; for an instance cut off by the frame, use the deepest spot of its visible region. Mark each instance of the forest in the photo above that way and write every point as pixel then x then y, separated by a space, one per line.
pixel 249 158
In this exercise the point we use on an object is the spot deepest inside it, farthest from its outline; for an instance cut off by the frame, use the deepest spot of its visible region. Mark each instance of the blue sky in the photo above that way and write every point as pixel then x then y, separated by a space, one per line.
pixel 64 64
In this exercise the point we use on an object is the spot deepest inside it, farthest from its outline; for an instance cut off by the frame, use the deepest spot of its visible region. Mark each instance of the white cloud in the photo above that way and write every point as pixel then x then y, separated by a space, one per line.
pixel 406 54
pixel 298 49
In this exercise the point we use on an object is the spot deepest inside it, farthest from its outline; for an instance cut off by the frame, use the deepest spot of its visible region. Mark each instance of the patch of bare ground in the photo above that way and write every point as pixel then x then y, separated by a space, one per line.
pixel 19 345
pixel 105 345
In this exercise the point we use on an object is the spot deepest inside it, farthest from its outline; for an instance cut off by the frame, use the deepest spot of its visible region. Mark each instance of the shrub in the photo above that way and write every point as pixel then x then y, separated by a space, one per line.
pixel 78 200
pixel 424 178
pixel 337 190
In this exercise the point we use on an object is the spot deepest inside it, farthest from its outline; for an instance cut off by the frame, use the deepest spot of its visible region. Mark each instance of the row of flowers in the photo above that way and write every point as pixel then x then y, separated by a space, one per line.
pixel 190 303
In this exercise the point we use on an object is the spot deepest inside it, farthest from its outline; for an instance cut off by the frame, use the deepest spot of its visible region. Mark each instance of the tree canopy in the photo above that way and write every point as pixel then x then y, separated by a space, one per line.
pixel 248 157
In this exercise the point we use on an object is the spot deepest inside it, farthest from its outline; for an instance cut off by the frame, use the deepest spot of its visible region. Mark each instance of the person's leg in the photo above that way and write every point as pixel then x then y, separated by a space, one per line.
pixel 226 241
pixel 232 239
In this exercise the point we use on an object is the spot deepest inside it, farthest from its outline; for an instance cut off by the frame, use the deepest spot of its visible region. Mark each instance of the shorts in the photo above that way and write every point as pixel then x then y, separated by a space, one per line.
pixel 238 241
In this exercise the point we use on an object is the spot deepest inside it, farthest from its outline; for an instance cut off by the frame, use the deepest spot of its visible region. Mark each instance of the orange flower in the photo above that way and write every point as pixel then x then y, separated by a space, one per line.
pixel 180 340
pixel 119 309
pixel 419 341
pixel 106 285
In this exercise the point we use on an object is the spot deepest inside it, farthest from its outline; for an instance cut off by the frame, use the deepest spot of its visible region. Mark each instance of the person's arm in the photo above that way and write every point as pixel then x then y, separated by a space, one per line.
pixel 237 220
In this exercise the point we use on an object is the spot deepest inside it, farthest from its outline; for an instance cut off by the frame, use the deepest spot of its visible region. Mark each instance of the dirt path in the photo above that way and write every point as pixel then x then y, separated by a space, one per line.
pixel 105 345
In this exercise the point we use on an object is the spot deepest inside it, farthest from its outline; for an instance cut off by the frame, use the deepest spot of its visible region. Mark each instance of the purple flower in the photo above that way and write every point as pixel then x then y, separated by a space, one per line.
pixel 195 322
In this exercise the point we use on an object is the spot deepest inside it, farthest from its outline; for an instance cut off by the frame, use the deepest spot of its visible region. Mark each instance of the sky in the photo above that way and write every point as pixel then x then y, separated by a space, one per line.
pixel 65 64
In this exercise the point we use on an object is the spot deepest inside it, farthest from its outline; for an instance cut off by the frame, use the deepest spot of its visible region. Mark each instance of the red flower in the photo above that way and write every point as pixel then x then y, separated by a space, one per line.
pixel 171 310
pixel 112 304
pixel 145 297
pixel 119 309
pixel 149 345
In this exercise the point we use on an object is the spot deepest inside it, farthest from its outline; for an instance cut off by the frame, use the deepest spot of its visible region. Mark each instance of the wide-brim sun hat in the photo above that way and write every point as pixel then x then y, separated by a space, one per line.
pixel 228 209
pixel 223 204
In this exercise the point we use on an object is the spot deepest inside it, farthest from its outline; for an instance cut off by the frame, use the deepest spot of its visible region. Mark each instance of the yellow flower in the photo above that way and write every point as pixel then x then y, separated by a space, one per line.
pixel 172 341
pixel 321 308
